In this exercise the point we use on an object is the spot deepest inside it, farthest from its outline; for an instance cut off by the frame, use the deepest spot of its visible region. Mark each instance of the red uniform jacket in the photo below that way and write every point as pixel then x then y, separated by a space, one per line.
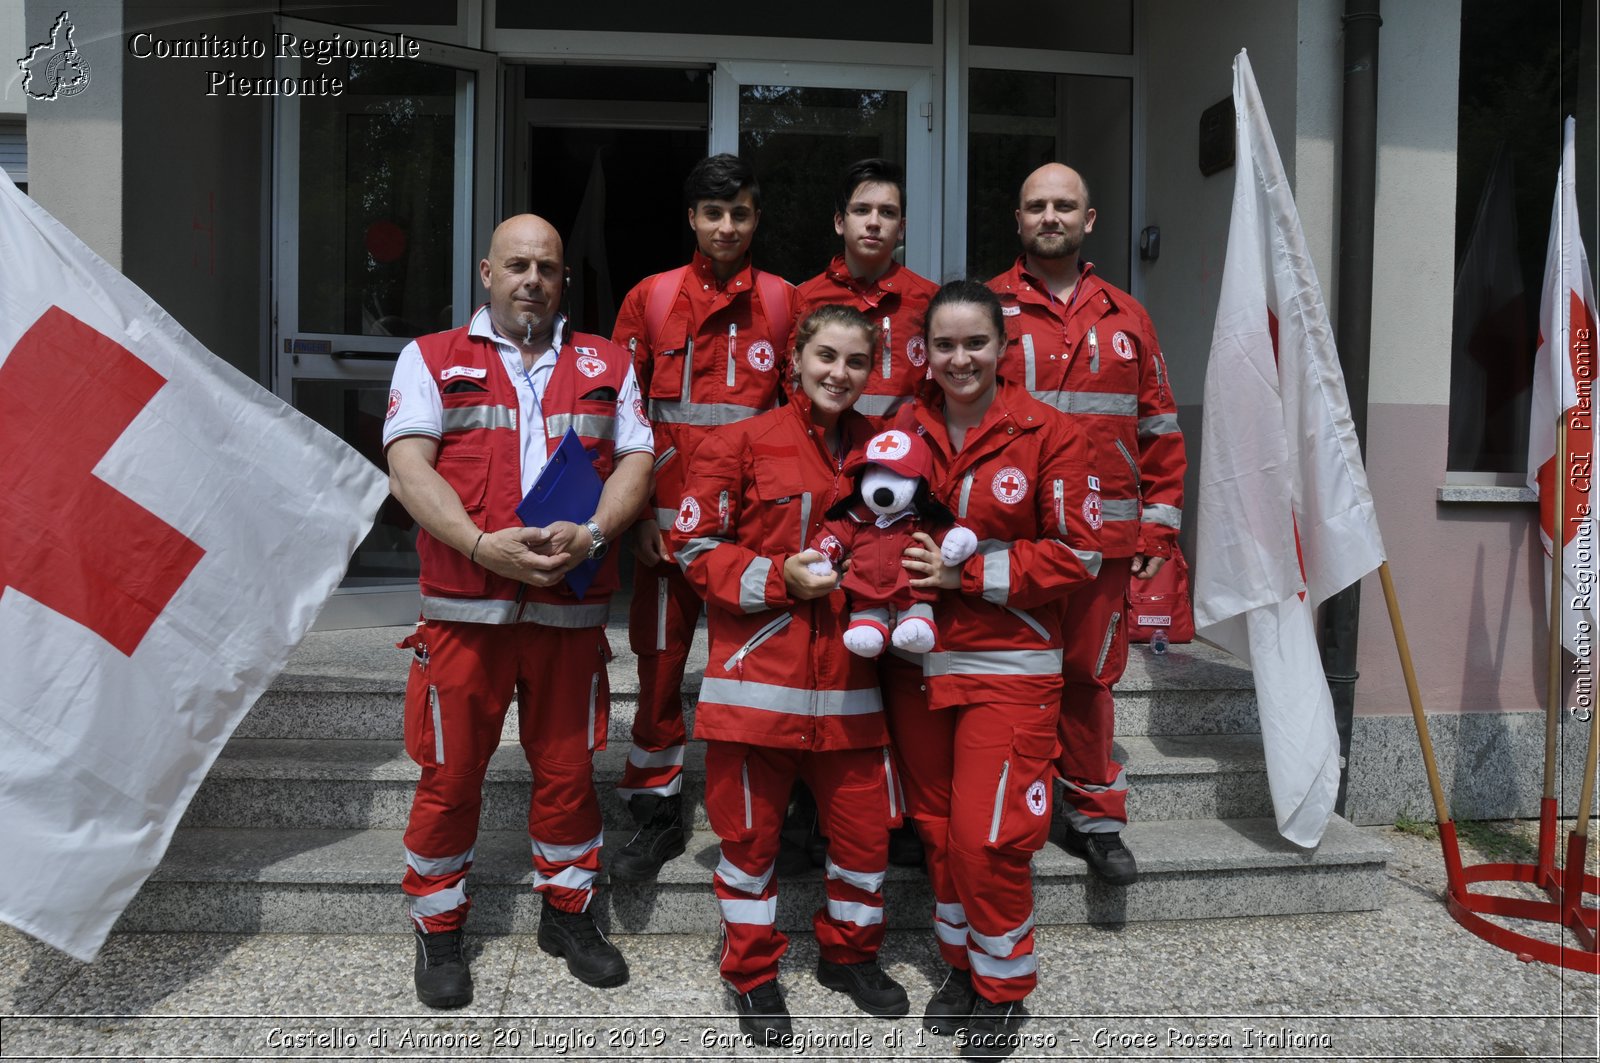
pixel 779 674
pixel 480 457
pixel 897 304
pixel 717 359
pixel 1024 483
pixel 1097 360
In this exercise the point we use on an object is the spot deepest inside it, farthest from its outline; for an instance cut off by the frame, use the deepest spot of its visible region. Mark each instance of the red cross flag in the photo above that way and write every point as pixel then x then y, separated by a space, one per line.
pixel 169 530
pixel 1286 518
pixel 1563 386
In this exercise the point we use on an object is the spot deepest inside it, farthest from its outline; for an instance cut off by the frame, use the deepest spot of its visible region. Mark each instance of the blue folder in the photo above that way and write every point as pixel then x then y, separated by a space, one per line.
pixel 567 489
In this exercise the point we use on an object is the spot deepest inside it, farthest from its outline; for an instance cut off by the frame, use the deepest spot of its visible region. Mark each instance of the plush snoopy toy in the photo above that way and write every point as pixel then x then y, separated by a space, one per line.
pixel 872 528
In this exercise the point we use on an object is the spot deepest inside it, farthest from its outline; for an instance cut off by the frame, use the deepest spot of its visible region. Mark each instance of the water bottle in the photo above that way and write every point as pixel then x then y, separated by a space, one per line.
pixel 1158 640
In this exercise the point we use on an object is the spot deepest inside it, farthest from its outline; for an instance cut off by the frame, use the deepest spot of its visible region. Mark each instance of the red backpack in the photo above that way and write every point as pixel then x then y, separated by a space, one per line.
pixel 1162 601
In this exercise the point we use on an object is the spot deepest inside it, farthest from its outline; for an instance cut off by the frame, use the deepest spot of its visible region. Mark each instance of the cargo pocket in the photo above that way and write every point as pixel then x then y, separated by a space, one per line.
pixel 423 728
pixel 1020 819
pixel 600 698
pixel 730 803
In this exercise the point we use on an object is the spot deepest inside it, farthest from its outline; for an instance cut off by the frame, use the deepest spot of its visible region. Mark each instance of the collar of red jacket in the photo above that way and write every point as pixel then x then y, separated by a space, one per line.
pixel 1012 408
pixel 839 273
pixel 705 275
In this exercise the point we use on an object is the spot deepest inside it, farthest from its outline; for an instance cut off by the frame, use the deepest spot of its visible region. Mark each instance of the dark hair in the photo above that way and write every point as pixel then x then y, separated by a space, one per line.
pixel 970 292
pixel 831 314
pixel 720 177
pixel 861 172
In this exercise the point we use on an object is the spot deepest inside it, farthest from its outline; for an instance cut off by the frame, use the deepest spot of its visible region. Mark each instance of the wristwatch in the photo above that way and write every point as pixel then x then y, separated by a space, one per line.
pixel 597 541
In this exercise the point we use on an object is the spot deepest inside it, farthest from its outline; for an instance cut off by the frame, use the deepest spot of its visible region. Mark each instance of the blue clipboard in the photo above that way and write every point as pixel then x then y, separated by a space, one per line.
pixel 568 488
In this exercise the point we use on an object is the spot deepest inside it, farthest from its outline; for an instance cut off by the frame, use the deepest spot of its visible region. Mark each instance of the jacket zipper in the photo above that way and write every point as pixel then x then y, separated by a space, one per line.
pixel 594 696
pixel 999 802
pixel 887 340
pixel 733 335
pixel 1094 351
pixel 688 370
pixel 1061 507
pixel 1133 466
pixel 765 632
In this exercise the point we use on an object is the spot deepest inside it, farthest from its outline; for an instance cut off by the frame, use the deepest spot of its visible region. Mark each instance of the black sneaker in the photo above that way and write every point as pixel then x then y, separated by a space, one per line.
pixel 592 959
pixel 868 985
pixel 763 1016
pixel 951 1005
pixel 992 1031
pixel 660 837
pixel 1105 853
pixel 905 847
pixel 443 978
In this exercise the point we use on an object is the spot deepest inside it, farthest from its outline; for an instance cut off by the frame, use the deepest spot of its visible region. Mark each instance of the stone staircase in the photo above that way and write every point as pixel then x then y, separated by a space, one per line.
pixel 297 828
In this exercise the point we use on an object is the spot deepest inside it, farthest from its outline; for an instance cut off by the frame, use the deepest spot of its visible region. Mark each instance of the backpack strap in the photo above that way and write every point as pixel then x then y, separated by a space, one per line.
pixel 776 302
pixel 663 293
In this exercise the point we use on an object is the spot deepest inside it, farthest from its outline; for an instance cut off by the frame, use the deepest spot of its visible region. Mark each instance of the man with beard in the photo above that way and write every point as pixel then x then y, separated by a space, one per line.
pixel 1090 350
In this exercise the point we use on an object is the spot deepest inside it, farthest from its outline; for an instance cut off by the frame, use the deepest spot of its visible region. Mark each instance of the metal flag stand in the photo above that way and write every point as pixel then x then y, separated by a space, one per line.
pixel 1565 886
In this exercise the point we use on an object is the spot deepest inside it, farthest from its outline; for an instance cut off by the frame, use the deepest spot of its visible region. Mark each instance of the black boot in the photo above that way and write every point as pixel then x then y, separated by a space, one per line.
pixel 905 847
pixel 763 1017
pixel 1105 854
pixel 950 1007
pixel 992 1031
pixel 443 978
pixel 591 957
pixel 659 838
pixel 868 985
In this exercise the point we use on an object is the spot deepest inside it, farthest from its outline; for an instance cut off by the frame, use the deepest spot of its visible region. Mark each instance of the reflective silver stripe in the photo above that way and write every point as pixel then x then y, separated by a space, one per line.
pixel 688 373
pixel 997 577
pixel 1060 490
pixel 708 414
pixel 661 459
pixel 1119 509
pixel 447 900
pixel 1105 643
pixel 434 866
pixel 661 612
pixel 1166 516
pixel 671 757
pixel 1090 559
pixel 989 967
pixel 950 935
pixel 464 418
pixel 805 518
pixel 999 801
pixel 992 662
pixel 722 510
pixel 861 880
pixel 749 913
pixel 733 335
pixel 571 877
pixel 744 780
pixel 695 547
pixel 855 912
pixel 594 696
pixel 966 492
pixel 1003 945
pixel 552 853
pixel 1029 375
pixel 763 633
pixel 1102 402
pixel 438 724
pixel 888 344
pixel 953 914
pixel 500 611
pixel 1094 351
pixel 794 701
pixel 753 585
pixel 741 880
pixel 1133 466
pixel 888 778
pixel 665 518
pixel 1028 618
pixel 585 424
pixel 880 405
pixel 1159 425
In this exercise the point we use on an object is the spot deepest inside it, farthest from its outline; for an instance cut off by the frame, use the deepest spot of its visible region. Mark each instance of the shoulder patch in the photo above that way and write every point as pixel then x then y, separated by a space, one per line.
pixel 1010 485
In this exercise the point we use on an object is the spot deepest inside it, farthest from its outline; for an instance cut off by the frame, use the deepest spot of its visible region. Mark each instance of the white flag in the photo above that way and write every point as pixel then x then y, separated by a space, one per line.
pixel 168 532
pixel 1286 519
pixel 1563 382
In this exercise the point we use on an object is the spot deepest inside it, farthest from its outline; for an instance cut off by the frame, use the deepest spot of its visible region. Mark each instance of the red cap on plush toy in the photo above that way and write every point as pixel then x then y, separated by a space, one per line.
pixel 897 451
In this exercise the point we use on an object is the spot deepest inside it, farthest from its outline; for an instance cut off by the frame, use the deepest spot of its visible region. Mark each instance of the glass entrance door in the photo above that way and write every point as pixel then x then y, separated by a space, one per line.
pixel 383 193
pixel 801 124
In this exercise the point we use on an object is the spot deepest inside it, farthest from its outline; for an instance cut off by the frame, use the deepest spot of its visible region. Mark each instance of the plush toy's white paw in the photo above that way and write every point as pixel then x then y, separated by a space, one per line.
pixel 863 641
pixel 959 545
pixel 819 568
pixel 914 636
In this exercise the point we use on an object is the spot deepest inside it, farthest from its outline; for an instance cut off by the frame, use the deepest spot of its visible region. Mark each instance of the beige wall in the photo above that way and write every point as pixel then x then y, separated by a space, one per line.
pixel 13 45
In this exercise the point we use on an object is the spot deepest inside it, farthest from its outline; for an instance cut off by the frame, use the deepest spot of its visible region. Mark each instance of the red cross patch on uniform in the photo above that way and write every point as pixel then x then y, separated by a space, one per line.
pixel 638 411
pixel 688 515
pixel 832 548
pixel 588 364
pixel 891 445
pixel 394 403
pixel 917 351
pixel 760 356
pixel 1010 485
pixel 1036 798
pixel 1122 345
pixel 1091 510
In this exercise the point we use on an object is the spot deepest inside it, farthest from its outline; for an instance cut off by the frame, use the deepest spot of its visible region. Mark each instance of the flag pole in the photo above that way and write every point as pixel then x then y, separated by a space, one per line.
pixel 1547 805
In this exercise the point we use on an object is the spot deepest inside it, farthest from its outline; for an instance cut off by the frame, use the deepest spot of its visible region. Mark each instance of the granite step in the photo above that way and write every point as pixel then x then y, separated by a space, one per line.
pixel 357 784
pixel 326 881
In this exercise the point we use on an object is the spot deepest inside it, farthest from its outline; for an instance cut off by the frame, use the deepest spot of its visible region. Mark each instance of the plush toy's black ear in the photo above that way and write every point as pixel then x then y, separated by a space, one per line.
pixel 845 504
pixel 929 508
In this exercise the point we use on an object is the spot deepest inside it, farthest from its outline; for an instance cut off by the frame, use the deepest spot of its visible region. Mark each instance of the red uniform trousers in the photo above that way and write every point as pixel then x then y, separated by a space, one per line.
pixel 1095 633
pixel 461 682
pixel 977 785
pixel 747 793
pixel 661 622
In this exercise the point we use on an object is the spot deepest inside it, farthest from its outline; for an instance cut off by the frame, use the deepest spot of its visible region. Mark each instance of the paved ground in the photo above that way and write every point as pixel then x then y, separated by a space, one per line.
pixel 1404 982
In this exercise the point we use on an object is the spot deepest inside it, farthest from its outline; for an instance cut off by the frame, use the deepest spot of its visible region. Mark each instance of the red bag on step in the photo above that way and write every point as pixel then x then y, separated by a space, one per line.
pixel 1161 601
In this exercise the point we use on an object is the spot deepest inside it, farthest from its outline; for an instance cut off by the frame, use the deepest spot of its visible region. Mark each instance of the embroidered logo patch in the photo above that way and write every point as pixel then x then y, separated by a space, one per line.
pixel 889 445
pixel 477 372
pixel 1094 483
pixel 832 548
pixel 394 403
pixel 589 365
pixel 1091 510
pixel 760 356
pixel 917 351
pixel 1122 345
pixel 1010 485
pixel 638 411
pixel 1011 311
pixel 1037 802
pixel 688 515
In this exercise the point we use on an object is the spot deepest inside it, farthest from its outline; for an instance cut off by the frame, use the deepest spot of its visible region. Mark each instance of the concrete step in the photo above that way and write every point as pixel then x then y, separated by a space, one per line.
pixel 357 784
pixel 315 881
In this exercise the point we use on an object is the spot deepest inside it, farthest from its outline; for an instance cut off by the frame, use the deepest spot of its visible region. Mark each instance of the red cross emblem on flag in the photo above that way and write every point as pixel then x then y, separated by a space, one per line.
pixel 1010 485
